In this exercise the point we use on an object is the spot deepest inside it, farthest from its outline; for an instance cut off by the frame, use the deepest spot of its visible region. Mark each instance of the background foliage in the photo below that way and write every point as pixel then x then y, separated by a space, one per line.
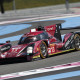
pixel 20 4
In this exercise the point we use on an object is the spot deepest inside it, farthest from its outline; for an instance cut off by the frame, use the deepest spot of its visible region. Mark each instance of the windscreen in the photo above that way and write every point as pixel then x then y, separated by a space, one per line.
pixel 26 40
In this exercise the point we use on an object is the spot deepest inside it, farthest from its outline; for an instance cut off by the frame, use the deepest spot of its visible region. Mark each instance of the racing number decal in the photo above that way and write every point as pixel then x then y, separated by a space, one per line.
pixel 15 49
pixel 51 49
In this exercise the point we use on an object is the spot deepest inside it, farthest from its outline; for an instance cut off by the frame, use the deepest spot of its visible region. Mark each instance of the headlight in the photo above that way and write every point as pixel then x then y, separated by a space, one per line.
pixel 29 49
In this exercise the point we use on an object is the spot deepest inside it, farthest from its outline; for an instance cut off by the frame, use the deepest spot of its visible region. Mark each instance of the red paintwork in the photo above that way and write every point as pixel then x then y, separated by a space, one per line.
pixel 15 51
pixel 32 33
pixel 50 29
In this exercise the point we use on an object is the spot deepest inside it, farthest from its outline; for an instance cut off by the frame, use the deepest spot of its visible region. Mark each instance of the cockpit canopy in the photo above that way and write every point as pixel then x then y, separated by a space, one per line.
pixel 29 39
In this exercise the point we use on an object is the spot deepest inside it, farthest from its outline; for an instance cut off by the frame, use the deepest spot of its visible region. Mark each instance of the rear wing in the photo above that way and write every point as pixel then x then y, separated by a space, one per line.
pixel 57 33
pixel 54 30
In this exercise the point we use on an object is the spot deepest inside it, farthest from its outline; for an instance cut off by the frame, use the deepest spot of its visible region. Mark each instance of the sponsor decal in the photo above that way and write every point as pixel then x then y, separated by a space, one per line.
pixel 69 40
pixel 5 48
pixel 66 44
pixel 60 44
pixel 3 55
pixel 15 49
pixel 49 50
pixel 72 36
pixel 49 29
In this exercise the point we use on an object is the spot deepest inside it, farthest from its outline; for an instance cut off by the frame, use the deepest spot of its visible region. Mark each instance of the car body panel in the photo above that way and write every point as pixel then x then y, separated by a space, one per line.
pixel 54 43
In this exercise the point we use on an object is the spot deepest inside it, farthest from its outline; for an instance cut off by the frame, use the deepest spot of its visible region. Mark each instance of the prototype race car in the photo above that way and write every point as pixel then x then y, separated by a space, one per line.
pixel 41 42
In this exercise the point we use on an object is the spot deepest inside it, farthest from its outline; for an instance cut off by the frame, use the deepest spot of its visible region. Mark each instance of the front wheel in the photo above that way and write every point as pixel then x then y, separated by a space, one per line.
pixel 77 41
pixel 43 50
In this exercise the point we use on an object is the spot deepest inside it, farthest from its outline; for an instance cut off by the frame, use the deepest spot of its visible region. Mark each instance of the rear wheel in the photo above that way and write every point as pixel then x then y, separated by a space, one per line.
pixel 43 50
pixel 77 42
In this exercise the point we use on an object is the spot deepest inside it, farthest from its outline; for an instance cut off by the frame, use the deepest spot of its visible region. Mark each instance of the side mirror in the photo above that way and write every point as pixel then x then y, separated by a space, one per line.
pixel 8 41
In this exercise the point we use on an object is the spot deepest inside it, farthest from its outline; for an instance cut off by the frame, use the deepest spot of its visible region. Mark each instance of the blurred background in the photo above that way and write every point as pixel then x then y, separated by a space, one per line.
pixel 37 7
pixel 21 4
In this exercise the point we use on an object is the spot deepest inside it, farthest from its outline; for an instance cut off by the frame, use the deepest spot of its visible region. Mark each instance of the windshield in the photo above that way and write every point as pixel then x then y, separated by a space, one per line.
pixel 26 40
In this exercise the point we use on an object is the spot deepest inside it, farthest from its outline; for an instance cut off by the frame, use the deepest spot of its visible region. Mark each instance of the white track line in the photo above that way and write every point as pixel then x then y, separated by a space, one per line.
pixel 37 19
pixel 41 70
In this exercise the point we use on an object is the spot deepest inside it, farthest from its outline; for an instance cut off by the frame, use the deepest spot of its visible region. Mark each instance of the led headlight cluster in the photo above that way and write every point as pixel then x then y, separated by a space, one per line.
pixel 29 49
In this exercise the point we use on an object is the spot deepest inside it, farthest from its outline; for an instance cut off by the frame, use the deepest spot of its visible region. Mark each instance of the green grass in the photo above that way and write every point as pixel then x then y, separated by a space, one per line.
pixel 21 4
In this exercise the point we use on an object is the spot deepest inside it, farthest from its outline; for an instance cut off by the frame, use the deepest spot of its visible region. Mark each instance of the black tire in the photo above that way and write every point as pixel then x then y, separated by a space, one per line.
pixel 77 41
pixel 43 50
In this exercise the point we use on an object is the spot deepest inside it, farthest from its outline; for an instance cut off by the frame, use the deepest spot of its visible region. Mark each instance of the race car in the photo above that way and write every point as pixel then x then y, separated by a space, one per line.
pixel 41 42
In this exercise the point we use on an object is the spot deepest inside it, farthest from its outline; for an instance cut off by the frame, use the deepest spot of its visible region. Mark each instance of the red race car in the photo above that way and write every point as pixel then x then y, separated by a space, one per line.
pixel 41 42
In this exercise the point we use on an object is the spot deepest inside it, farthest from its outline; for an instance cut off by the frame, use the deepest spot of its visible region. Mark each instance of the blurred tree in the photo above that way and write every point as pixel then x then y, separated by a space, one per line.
pixel 1 5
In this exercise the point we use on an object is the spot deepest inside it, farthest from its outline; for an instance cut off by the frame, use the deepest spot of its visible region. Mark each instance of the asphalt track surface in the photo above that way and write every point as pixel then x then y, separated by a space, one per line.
pixel 50 73
pixel 12 66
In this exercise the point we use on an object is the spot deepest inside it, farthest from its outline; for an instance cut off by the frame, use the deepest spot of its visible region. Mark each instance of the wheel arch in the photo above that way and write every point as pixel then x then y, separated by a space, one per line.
pixel 77 34
pixel 46 42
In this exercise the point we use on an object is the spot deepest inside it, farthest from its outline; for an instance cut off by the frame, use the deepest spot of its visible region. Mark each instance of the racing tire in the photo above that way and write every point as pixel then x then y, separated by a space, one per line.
pixel 77 41
pixel 43 50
